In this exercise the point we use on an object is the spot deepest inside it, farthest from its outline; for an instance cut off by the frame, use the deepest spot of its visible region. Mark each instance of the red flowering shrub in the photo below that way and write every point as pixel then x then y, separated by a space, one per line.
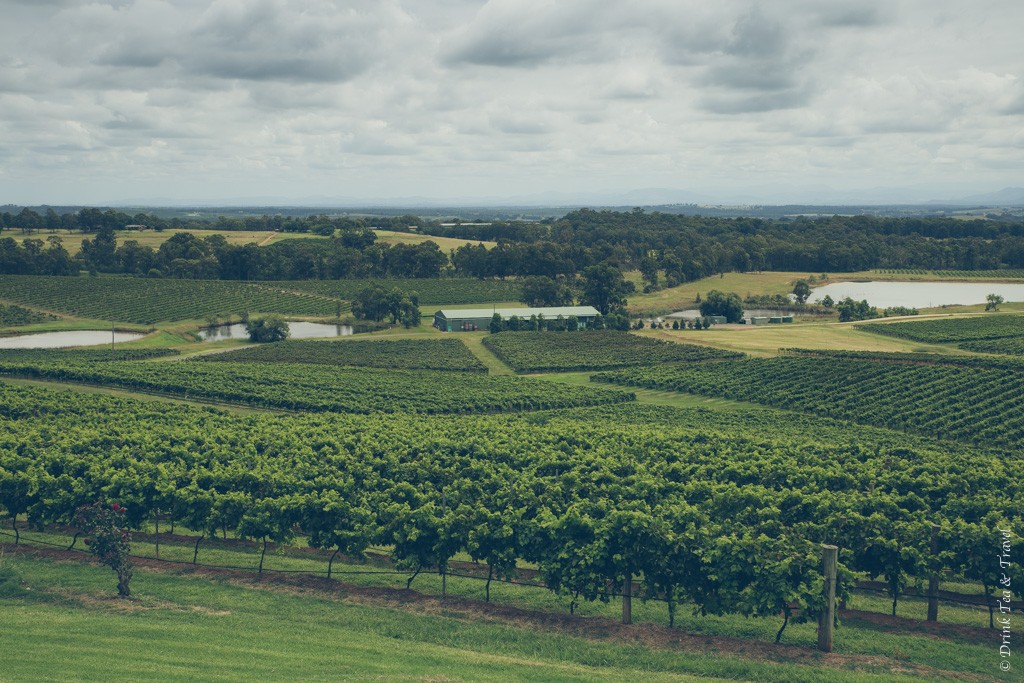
pixel 109 539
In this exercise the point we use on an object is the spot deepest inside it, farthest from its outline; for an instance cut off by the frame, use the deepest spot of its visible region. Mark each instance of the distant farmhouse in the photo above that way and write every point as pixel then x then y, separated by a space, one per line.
pixel 470 319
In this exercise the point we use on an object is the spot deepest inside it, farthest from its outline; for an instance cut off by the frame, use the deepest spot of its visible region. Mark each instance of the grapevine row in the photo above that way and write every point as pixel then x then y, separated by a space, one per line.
pixel 724 522
pixel 407 354
pixel 591 350
pixel 304 387
pixel 977 404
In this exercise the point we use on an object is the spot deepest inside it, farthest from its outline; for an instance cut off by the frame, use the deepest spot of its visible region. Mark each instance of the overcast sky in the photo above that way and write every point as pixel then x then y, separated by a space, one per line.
pixel 796 100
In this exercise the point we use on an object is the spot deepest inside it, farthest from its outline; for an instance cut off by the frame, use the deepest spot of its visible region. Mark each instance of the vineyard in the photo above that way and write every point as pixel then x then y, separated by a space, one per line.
pixel 721 522
pixel 975 404
pixel 406 354
pixel 13 316
pixel 953 330
pixel 88 355
pixel 303 387
pixel 965 361
pixel 1002 274
pixel 431 291
pixel 592 350
pixel 1012 346
pixel 146 301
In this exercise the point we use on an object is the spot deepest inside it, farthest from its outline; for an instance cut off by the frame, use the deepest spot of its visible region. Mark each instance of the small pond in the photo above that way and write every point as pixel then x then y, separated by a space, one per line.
pixel 919 294
pixel 69 338
pixel 296 330
pixel 694 313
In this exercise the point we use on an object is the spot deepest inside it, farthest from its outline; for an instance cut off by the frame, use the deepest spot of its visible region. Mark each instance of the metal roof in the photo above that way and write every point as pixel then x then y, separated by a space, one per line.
pixel 549 313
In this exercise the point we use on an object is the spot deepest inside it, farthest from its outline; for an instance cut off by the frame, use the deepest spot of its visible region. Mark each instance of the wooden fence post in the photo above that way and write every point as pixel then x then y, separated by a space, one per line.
pixel 826 622
pixel 627 600
pixel 933 580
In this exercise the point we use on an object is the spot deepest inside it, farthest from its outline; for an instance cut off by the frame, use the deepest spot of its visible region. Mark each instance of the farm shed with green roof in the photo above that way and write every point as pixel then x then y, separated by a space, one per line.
pixel 470 319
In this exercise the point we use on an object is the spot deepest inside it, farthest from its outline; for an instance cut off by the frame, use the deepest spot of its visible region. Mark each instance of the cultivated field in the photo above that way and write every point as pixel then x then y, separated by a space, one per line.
pixel 403 492
pixel 407 354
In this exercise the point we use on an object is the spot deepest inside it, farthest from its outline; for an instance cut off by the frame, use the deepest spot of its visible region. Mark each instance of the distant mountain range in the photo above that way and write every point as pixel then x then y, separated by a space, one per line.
pixel 644 197
pixel 1008 196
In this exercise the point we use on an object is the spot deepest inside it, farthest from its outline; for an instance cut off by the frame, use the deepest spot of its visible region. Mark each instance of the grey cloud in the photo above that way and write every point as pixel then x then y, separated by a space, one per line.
pixel 904 126
pixel 859 14
pixel 312 95
pixel 294 41
pixel 763 68
pixel 1016 107
pixel 526 33
pixel 520 126
pixel 754 103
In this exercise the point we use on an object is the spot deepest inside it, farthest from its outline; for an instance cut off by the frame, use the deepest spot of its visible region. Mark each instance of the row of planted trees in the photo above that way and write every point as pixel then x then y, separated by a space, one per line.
pixel 718 549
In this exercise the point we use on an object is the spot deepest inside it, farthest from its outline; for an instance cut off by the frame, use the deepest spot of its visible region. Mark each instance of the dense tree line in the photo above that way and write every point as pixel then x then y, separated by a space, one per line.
pixel 91 219
pixel 354 254
pixel 691 247
pixel 666 248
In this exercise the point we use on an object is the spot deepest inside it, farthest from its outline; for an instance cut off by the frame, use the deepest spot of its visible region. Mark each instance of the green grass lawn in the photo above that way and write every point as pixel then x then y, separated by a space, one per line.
pixel 654 396
pixel 474 342
pixel 62 620
pixel 766 340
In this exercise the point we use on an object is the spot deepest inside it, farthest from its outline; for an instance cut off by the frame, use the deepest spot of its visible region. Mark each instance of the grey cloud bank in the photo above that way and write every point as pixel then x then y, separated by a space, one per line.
pixel 797 100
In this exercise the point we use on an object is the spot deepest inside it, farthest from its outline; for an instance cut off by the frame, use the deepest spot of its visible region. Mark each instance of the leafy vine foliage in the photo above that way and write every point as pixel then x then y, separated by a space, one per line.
pixel 722 513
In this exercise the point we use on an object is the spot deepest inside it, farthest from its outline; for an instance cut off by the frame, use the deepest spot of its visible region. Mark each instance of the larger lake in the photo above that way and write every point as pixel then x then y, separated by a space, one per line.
pixel 918 294
pixel 59 340
pixel 296 330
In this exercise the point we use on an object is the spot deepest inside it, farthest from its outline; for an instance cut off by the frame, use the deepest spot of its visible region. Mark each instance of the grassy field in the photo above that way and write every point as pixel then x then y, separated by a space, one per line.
pixel 474 342
pixel 769 282
pixel 683 296
pixel 445 243
pixel 62 620
pixel 152 238
pixel 766 340
pixel 655 397
pixel 191 628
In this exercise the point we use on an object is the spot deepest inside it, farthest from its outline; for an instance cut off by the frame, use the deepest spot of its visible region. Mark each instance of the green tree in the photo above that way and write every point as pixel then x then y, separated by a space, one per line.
pixel 994 301
pixel 268 329
pixel 719 303
pixel 649 273
pixel 541 290
pixel 850 310
pixel 497 325
pixel 408 312
pixel 801 290
pixel 605 288
pixel 374 303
